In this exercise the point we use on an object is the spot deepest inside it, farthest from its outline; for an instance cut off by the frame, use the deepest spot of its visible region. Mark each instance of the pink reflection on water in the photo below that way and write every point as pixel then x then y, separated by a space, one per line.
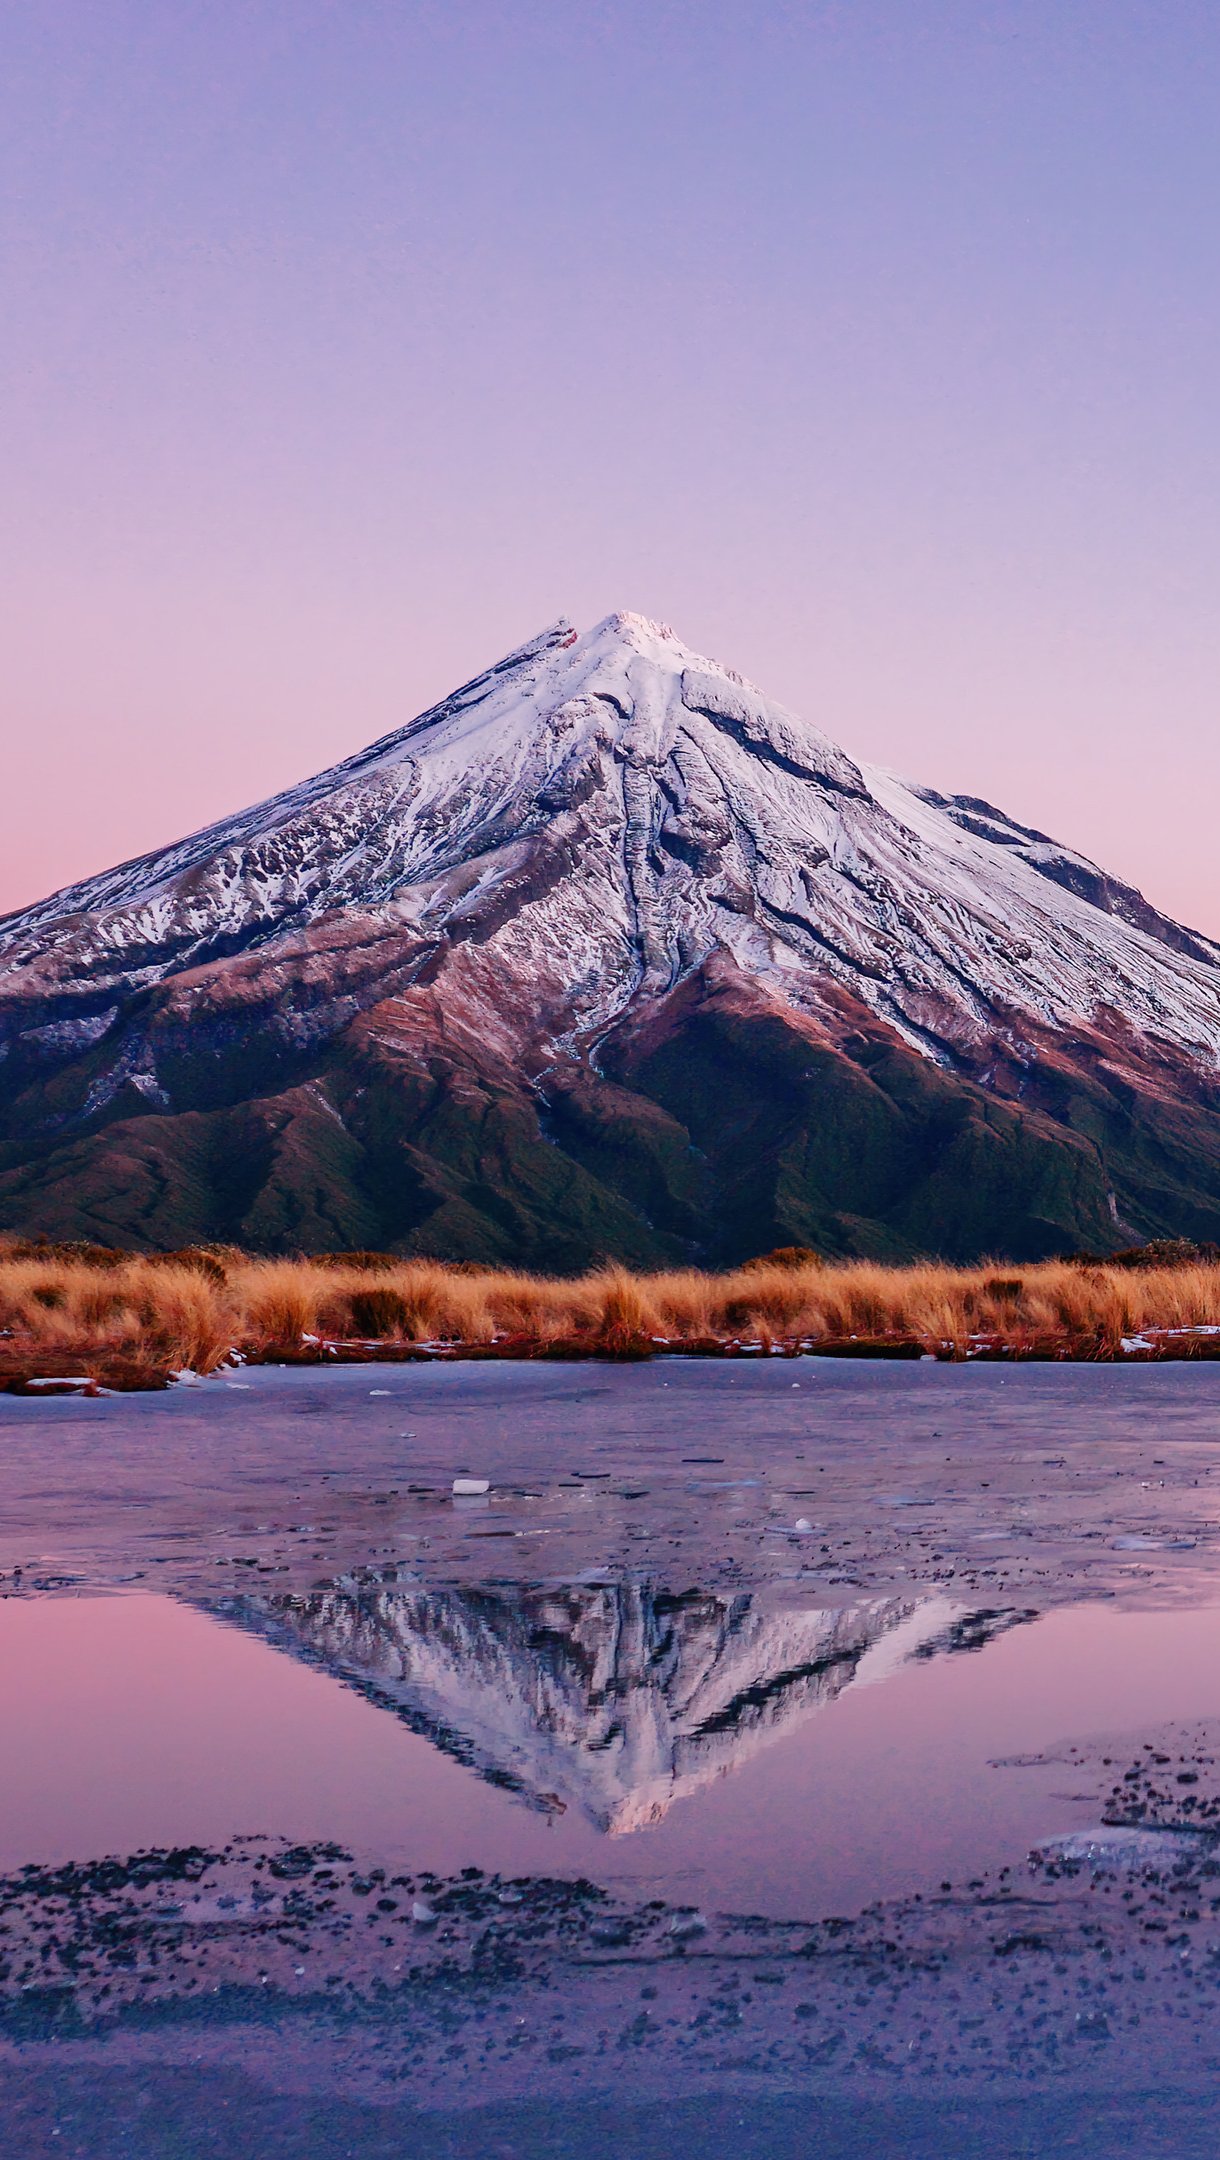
pixel 134 1720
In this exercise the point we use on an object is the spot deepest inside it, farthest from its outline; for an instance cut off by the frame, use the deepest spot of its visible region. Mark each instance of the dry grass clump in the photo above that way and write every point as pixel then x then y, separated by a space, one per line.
pixel 191 1308
pixel 156 1312
pixel 280 1300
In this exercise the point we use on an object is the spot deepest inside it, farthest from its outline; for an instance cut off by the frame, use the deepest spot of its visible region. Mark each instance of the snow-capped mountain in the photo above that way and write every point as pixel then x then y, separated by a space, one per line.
pixel 609 952
pixel 615 1700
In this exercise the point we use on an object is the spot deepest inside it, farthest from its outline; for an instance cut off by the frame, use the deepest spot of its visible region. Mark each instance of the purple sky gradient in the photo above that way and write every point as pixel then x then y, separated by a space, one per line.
pixel 347 342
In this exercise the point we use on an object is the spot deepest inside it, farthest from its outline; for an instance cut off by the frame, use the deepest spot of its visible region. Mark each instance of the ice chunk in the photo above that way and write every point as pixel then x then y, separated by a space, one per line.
pixel 1138 1541
pixel 684 1926
pixel 1117 1849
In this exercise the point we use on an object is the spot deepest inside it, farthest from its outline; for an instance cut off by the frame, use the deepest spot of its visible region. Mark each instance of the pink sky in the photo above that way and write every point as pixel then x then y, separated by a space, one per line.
pixel 874 350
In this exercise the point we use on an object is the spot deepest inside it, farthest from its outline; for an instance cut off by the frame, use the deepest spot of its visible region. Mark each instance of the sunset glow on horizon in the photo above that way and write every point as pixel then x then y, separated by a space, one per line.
pixel 873 348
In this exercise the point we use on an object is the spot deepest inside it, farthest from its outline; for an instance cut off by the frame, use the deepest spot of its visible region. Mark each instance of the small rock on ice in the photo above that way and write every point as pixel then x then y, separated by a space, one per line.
pixel 610 1932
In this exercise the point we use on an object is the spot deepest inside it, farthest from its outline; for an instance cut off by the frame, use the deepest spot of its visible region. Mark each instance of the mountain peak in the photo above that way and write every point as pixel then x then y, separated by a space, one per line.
pixel 637 630
pixel 600 843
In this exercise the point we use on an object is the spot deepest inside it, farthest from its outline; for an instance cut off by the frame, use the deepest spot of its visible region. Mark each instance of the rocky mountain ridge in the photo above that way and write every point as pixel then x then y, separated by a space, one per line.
pixel 609 953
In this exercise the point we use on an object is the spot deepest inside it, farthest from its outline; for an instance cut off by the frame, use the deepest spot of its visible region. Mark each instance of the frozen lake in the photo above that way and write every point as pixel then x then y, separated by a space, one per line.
pixel 727 1719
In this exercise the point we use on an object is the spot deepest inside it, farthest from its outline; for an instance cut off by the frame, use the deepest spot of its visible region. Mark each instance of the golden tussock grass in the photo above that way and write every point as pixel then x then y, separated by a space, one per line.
pixel 192 1309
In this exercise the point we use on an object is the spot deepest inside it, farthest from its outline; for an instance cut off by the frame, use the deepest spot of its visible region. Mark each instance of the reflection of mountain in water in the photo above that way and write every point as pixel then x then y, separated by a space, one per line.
pixel 616 1699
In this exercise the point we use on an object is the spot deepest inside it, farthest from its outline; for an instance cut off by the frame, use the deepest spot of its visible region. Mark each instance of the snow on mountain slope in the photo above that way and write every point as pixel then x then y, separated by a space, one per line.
pixel 609 953
pixel 692 815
